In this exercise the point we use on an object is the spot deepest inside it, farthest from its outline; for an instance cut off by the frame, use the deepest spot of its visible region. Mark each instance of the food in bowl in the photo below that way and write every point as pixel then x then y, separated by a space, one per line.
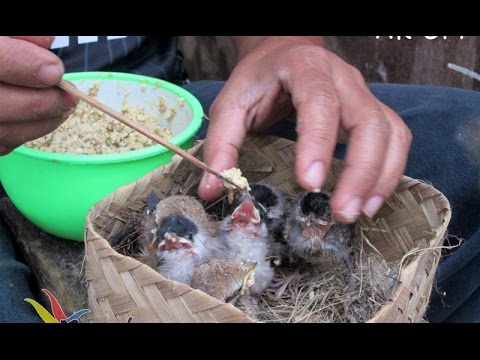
pixel 55 190
pixel 90 131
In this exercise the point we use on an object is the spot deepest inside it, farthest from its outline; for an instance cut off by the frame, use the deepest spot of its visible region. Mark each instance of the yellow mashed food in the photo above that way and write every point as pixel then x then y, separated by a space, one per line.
pixel 235 175
pixel 89 131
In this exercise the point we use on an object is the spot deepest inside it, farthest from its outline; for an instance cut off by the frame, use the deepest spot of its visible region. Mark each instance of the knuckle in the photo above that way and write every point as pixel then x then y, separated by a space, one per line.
pixel 318 136
pixel 364 174
pixel 407 135
pixel 322 138
pixel 388 183
pixel 356 75
pixel 44 102
pixel 214 110
pixel 320 110
pixel 328 97
pixel 376 123
pixel 324 99
pixel 390 177
pixel 403 135
pixel 311 61
pixel 215 142
pixel 219 108
pixel 318 145
pixel 368 182
pixel 368 168
pixel 400 131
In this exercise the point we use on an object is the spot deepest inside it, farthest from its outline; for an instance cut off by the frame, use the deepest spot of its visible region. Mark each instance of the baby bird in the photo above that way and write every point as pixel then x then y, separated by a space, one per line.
pixel 223 279
pixel 312 232
pixel 181 245
pixel 157 209
pixel 176 228
pixel 274 202
pixel 182 205
pixel 245 236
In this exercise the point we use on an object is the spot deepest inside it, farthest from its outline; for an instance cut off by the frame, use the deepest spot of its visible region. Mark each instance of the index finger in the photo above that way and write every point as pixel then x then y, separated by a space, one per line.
pixel 224 139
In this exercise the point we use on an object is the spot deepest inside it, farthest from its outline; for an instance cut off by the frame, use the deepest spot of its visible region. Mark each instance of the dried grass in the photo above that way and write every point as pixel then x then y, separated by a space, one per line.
pixel 320 295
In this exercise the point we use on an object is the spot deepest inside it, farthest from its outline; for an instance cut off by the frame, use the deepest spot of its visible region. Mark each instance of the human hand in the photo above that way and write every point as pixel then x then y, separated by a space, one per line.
pixel 31 105
pixel 332 102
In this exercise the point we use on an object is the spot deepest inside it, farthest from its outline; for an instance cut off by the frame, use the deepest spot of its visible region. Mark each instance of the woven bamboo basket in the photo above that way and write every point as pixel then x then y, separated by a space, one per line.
pixel 119 287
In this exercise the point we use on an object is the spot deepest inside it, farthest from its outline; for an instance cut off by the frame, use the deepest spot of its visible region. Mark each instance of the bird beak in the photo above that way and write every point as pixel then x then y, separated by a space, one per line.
pixel 317 226
pixel 172 241
pixel 246 212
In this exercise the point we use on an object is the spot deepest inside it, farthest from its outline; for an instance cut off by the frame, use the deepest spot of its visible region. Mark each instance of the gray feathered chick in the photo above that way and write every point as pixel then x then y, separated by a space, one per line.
pixel 312 232
pixel 246 239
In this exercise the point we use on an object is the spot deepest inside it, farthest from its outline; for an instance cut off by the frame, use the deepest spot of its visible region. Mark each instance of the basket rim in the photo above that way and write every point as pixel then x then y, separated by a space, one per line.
pixel 407 271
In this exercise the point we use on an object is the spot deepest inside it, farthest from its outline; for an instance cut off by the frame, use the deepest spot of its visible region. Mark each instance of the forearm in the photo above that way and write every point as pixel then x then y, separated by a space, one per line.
pixel 245 44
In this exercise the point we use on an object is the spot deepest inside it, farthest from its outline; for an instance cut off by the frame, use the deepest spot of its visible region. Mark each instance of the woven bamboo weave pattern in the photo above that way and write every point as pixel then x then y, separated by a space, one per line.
pixel 414 218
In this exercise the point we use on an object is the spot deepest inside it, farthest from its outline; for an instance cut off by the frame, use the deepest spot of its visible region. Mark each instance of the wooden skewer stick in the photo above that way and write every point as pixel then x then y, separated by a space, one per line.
pixel 142 130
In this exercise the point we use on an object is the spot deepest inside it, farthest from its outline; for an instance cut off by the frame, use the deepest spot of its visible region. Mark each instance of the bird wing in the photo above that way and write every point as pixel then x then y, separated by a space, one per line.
pixel 152 201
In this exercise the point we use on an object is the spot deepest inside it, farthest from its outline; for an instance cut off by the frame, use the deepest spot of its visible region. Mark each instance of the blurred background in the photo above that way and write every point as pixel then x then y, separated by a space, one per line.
pixel 412 61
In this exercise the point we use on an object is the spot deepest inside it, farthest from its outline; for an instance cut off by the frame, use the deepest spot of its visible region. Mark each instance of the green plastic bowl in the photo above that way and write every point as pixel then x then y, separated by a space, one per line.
pixel 55 191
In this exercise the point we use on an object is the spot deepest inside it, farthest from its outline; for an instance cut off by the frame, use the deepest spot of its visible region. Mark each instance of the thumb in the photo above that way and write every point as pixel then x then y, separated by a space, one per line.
pixel 224 139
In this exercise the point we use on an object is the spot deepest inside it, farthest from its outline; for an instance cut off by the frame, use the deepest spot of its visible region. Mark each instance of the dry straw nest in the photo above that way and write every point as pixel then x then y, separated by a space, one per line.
pixel 408 231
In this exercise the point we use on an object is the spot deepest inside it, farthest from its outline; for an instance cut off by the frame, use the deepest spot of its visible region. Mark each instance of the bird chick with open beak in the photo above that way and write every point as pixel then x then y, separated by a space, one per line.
pixel 181 245
pixel 312 232
pixel 245 236
pixel 157 209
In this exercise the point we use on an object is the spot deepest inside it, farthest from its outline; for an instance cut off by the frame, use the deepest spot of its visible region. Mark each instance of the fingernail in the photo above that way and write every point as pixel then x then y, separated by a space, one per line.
pixel 373 205
pixel 351 210
pixel 50 74
pixel 68 113
pixel 315 175
pixel 204 183
pixel 207 180
pixel 69 102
